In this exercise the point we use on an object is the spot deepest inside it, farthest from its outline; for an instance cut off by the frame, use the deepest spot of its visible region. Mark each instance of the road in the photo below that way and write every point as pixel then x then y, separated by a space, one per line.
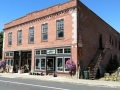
pixel 32 84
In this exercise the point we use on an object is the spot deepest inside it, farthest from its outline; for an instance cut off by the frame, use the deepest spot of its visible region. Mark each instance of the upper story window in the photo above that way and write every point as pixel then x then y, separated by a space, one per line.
pixel 110 39
pixel 60 28
pixel 19 36
pixel 115 42
pixel 44 32
pixel 119 45
pixel 31 34
pixel 10 38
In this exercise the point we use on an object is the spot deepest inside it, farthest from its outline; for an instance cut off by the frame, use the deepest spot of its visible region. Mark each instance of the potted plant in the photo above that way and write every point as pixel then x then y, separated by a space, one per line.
pixel 54 74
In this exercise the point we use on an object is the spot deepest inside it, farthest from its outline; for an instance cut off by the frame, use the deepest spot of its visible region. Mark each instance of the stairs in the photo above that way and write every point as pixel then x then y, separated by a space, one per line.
pixel 94 64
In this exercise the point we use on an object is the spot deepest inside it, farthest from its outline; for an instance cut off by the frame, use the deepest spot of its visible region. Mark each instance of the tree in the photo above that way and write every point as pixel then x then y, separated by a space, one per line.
pixel 1 44
pixel 113 64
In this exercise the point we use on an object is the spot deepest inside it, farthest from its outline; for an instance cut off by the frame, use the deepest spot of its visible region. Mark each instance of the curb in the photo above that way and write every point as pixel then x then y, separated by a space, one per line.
pixel 83 82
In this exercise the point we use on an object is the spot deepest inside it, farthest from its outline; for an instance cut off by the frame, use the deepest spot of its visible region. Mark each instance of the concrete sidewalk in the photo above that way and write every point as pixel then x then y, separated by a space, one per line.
pixel 63 80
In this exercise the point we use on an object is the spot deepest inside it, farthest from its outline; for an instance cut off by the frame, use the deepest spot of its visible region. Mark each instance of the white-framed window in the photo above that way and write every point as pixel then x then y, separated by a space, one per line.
pixel 40 64
pixel 6 54
pixel 44 32
pixel 10 38
pixel 9 54
pixel 43 64
pixel 37 63
pixel 65 59
pixel 60 28
pixel 59 50
pixel 59 64
pixel 31 34
pixel 37 52
pixel 66 50
pixel 19 37
pixel 43 52
pixel 9 62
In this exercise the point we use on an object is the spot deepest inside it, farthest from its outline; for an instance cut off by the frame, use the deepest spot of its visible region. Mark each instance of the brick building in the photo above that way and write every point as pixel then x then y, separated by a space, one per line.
pixel 44 40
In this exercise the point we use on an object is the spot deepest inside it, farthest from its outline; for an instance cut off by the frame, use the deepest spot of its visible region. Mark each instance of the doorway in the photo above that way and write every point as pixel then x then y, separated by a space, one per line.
pixel 50 64
pixel 100 42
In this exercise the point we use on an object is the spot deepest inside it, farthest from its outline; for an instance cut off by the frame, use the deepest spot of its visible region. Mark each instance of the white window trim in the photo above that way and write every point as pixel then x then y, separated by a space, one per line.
pixel 45 63
pixel 10 61
pixel 35 63
pixel 65 64
pixel 59 48
pixel 37 50
pixel 9 53
pixel 67 48
pixel 40 64
pixel 62 64
pixel 43 54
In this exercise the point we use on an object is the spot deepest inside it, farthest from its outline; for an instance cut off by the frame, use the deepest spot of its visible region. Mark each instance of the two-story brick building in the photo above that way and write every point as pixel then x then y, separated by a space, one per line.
pixel 44 40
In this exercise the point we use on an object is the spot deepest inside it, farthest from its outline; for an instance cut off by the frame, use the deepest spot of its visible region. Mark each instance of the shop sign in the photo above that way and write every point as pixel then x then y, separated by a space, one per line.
pixel 50 51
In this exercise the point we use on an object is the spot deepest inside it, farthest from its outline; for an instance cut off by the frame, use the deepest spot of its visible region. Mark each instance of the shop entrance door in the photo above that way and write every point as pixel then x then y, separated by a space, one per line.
pixel 50 64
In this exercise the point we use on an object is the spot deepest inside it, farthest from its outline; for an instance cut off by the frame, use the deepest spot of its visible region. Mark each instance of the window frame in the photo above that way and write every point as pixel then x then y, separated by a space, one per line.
pixel 43 32
pixel 59 48
pixel 19 37
pixel 58 28
pixel 31 34
pixel 67 48
pixel 39 51
pixel 40 64
pixel 9 39
pixel 65 64
pixel 57 63
pixel 8 62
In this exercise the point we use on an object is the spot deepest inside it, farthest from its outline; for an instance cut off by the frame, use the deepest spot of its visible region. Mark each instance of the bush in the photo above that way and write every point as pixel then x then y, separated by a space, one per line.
pixel 113 64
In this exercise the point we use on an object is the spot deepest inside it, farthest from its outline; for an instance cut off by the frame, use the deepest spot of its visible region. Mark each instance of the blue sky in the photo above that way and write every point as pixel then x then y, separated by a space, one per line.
pixel 108 10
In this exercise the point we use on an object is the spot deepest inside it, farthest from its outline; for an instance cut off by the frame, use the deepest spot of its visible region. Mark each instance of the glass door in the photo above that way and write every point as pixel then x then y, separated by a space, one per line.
pixel 50 64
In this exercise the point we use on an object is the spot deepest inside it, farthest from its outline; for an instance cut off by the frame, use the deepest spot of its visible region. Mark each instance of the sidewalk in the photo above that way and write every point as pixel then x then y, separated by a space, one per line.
pixel 64 80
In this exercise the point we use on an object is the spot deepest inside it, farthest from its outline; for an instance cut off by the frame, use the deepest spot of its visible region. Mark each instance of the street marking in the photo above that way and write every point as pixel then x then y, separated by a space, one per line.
pixel 34 85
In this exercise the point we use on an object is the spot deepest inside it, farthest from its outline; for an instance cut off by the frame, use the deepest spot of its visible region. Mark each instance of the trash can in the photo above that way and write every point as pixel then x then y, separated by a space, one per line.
pixel 85 74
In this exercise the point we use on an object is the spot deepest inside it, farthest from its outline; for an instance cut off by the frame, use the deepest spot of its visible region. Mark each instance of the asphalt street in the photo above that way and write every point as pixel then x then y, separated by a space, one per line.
pixel 32 84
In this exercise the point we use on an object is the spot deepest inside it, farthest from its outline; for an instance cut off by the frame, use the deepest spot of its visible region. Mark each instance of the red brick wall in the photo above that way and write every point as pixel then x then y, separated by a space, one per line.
pixel 52 41
pixel 91 26
pixel 42 13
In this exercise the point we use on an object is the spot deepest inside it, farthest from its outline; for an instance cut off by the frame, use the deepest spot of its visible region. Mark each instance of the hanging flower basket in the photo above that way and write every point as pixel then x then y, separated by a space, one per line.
pixel 2 63
pixel 70 65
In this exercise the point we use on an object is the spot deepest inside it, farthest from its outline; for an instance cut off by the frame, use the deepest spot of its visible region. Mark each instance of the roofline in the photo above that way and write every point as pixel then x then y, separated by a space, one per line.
pixel 99 17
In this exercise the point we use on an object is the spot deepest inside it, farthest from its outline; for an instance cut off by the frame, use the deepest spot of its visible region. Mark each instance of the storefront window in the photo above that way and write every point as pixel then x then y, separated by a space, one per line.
pixel 37 63
pixel 40 64
pixel 65 68
pixel 11 62
pixel 43 64
pixel 59 64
